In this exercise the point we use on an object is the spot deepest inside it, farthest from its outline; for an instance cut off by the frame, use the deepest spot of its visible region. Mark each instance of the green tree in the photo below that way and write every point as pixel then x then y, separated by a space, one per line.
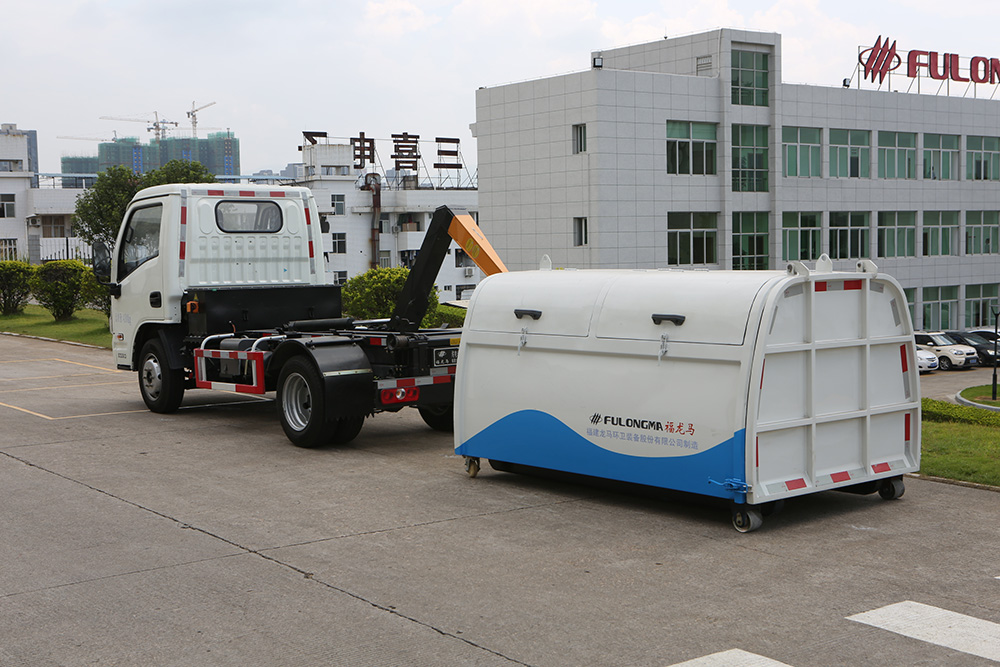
pixel 58 287
pixel 99 210
pixel 372 294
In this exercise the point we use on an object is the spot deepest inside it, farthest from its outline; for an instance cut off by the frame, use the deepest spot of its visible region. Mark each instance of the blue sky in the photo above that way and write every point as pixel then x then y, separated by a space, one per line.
pixel 387 66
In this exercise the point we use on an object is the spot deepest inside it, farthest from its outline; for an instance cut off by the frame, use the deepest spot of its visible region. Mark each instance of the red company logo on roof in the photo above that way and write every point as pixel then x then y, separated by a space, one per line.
pixel 879 60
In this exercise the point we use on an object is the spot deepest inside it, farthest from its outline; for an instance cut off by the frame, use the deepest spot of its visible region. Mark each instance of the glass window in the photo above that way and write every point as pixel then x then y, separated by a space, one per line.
pixel 800 151
pixel 982 158
pixel 980 304
pixel 580 231
pixel 940 233
pixel 982 232
pixel 691 148
pixel 750 168
pixel 140 240
pixel 750 240
pixel 691 238
pixel 941 157
pixel 940 308
pixel 897 234
pixel 750 78
pixel 897 155
pixel 850 154
pixel 848 235
pixel 6 206
pixel 339 243
pixel 580 138
pixel 800 236
pixel 338 205
pixel 248 216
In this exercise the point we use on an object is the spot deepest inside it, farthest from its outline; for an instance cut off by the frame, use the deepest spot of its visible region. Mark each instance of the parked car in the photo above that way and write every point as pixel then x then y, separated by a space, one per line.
pixel 989 334
pixel 926 361
pixel 983 347
pixel 950 353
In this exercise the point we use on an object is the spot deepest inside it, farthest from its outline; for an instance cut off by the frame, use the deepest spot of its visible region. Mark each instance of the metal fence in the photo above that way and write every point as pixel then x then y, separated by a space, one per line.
pixel 65 248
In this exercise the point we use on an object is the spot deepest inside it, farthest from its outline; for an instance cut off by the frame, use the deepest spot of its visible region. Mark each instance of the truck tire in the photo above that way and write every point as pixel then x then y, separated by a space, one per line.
pixel 438 417
pixel 162 387
pixel 300 405
pixel 347 429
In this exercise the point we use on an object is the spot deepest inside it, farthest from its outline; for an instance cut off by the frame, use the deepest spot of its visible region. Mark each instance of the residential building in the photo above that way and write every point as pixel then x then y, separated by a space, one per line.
pixel 692 152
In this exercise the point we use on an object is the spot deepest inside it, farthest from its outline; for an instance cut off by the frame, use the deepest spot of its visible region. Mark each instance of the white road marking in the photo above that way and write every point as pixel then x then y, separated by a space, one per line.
pixel 937 626
pixel 732 658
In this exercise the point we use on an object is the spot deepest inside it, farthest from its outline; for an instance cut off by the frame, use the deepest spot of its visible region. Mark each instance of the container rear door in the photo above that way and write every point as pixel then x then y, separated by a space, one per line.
pixel 838 388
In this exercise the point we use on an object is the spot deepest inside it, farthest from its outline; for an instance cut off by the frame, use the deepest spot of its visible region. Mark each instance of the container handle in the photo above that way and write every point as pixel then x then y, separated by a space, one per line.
pixel 676 319
pixel 521 312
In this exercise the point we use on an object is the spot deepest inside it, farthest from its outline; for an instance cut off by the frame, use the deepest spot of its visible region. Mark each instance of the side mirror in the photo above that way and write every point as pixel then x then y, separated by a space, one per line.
pixel 102 267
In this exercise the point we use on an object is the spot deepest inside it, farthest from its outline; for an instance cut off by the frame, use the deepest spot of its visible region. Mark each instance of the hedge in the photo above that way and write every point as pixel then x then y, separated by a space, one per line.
pixel 15 286
pixel 942 411
pixel 58 287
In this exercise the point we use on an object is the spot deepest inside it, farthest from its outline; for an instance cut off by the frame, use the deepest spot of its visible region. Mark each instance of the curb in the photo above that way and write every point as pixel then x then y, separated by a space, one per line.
pixel 54 340
pixel 954 482
pixel 972 404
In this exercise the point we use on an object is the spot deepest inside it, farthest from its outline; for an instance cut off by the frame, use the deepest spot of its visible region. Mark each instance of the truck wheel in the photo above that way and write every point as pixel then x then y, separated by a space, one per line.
pixel 347 429
pixel 747 519
pixel 892 489
pixel 438 417
pixel 300 405
pixel 162 387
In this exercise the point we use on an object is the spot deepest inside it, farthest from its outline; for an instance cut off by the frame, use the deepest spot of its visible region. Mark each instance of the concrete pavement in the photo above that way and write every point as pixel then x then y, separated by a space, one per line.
pixel 205 538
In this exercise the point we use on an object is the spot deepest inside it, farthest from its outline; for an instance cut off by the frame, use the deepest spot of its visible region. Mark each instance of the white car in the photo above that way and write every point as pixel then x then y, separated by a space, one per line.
pixel 949 353
pixel 926 361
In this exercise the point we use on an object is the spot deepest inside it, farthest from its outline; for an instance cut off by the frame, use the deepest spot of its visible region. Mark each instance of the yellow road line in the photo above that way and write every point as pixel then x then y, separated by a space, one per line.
pixel 65 386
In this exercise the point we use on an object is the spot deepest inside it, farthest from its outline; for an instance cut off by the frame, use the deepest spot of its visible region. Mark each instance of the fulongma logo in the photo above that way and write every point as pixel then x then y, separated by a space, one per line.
pixel 879 60
pixel 626 422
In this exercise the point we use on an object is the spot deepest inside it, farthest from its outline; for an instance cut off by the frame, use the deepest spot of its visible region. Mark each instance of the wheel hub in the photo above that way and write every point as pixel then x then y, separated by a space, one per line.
pixel 152 377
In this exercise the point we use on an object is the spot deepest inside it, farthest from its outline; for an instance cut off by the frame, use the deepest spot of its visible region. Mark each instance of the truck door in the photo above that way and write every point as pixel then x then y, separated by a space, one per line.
pixel 139 272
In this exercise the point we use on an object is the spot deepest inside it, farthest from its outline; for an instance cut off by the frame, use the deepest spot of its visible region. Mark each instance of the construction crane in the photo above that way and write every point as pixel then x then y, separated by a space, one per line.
pixel 113 139
pixel 193 115
pixel 157 126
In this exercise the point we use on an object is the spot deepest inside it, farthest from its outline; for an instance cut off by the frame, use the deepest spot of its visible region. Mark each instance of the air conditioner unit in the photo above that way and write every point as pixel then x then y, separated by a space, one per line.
pixel 469 272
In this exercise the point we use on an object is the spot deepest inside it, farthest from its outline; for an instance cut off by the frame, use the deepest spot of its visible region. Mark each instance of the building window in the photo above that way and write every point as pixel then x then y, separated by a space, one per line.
pixel 897 155
pixel 750 78
pixel 982 232
pixel 980 302
pixel 750 241
pixel 6 206
pixel 339 277
pixel 691 147
pixel 385 259
pixel 8 250
pixel 982 158
pixel 691 238
pixel 850 154
pixel 580 138
pixel 11 165
pixel 848 234
pixel 335 170
pixel 339 243
pixel 462 259
pixel 407 258
pixel 897 234
pixel 940 157
pixel 464 291
pixel 337 203
pixel 749 158
pixel 703 66
pixel 800 236
pixel 911 303
pixel 940 233
pixel 56 227
pixel 800 151
pixel 580 233
pixel 940 308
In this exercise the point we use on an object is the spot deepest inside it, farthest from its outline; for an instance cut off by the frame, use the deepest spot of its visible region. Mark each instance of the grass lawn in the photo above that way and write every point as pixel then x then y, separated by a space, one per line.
pixel 967 452
pixel 982 394
pixel 86 326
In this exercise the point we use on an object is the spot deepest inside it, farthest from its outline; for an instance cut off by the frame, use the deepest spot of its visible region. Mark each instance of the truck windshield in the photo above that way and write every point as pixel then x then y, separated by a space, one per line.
pixel 248 216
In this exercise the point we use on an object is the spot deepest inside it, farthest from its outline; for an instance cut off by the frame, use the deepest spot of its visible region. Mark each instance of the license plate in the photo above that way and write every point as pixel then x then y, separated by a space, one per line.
pixel 446 356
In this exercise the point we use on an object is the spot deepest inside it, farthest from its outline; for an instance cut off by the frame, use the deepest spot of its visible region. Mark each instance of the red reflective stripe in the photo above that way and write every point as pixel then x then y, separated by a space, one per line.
pixel 840 476
pixel 852 284
pixel 184 215
pixel 183 249
pixel 906 428
pixel 794 484
pixel 821 287
pixel 881 467
pixel 216 193
pixel 374 341
pixel 311 250
pixel 442 379
pixel 902 356
pixel 247 193
pixel 276 194
pixel 406 382
pixel 308 217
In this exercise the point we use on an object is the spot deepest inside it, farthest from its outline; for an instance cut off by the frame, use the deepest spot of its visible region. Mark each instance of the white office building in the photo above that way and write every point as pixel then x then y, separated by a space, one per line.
pixel 691 152
pixel 380 219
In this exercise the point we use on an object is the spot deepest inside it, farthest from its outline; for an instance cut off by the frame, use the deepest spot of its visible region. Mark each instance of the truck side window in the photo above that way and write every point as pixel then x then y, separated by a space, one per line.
pixel 141 240
pixel 248 216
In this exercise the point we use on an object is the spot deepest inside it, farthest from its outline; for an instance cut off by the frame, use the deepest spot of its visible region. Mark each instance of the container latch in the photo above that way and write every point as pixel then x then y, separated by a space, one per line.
pixel 737 485
pixel 664 338
pixel 524 340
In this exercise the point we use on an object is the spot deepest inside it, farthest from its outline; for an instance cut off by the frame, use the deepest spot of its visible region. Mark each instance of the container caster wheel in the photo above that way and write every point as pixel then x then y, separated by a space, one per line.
pixel 746 519
pixel 892 489
pixel 472 465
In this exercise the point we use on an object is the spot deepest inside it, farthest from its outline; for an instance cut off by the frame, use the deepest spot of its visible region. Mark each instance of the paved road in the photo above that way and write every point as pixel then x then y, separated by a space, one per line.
pixel 943 385
pixel 204 538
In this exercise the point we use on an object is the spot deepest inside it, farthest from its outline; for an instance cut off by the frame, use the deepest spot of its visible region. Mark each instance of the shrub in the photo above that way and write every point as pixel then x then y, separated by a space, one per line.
pixel 372 294
pixel 58 287
pixel 15 286
pixel 941 411
pixel 446 315
pixel 95 295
